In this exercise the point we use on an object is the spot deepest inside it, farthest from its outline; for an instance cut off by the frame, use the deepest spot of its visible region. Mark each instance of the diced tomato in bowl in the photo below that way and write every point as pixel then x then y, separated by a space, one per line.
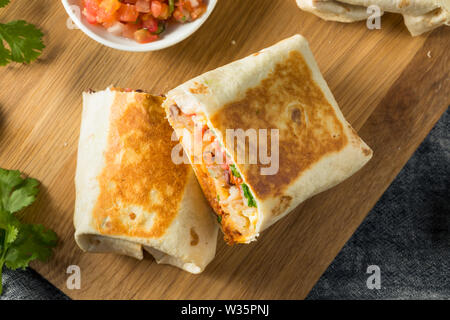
pixel 129 29
pixel 145 36
pixel 141 20
pixel 143 6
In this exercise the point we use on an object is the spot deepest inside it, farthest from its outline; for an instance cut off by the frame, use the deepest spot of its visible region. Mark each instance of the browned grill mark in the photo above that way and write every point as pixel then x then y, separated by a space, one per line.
pixel 403 4
pixel 138 170
pixel 296 116
pixel 199 88
pixel 303 141
pixel 194 237
pixel 283 204
pixel 366 152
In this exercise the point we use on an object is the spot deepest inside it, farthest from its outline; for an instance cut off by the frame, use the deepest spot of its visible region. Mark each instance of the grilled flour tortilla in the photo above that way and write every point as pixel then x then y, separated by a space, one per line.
pixel 334 10
pixel 279 88
pixel 419 15
pixel 130 196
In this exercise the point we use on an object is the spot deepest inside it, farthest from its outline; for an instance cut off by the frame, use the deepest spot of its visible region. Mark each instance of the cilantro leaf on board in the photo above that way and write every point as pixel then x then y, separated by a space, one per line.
pixel 20 243
pixel 33 242
pixel 16 193
pixel 24 41
pixel 5 55
pixel 11 235
pixel 3 3
pixel 23 196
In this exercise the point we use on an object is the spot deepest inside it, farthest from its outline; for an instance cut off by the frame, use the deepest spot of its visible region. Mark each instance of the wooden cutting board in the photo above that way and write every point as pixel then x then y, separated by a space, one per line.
pixel 391 87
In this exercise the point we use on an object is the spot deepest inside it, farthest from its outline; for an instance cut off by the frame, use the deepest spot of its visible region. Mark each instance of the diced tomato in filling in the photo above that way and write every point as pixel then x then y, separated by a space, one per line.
pixel 134 15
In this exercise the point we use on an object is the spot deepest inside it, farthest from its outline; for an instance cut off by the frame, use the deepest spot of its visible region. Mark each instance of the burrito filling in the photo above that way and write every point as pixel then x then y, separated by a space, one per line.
pixel 219 177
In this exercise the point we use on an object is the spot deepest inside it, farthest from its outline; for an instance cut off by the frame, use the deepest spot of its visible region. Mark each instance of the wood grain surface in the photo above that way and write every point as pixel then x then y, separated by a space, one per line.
pixel 391 87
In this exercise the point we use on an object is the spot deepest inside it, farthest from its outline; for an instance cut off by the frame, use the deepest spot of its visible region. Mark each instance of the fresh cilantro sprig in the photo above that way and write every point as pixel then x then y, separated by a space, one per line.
pixel 3 3
pixel 251 202
pixel 20 243
pixel 20 41
pixel 234 171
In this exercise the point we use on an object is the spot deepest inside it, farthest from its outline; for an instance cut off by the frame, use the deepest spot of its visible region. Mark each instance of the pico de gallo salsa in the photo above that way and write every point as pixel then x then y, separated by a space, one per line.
pixel 141 20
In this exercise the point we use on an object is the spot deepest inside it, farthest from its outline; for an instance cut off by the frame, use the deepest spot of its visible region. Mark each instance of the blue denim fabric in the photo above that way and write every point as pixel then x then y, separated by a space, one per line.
pixel 407 234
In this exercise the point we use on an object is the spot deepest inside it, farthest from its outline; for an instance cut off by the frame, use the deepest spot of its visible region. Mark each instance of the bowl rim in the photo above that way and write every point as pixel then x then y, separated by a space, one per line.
pixel 153 46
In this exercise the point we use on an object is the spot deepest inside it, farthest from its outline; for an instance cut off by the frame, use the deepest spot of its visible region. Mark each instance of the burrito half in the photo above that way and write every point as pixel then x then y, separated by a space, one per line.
pixel 334 10
pixel 420 16
pixel 130 196
pixel 292 139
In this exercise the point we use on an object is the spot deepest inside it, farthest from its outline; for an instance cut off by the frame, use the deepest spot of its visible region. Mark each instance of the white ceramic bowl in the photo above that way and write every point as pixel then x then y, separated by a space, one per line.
pixel 176 32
